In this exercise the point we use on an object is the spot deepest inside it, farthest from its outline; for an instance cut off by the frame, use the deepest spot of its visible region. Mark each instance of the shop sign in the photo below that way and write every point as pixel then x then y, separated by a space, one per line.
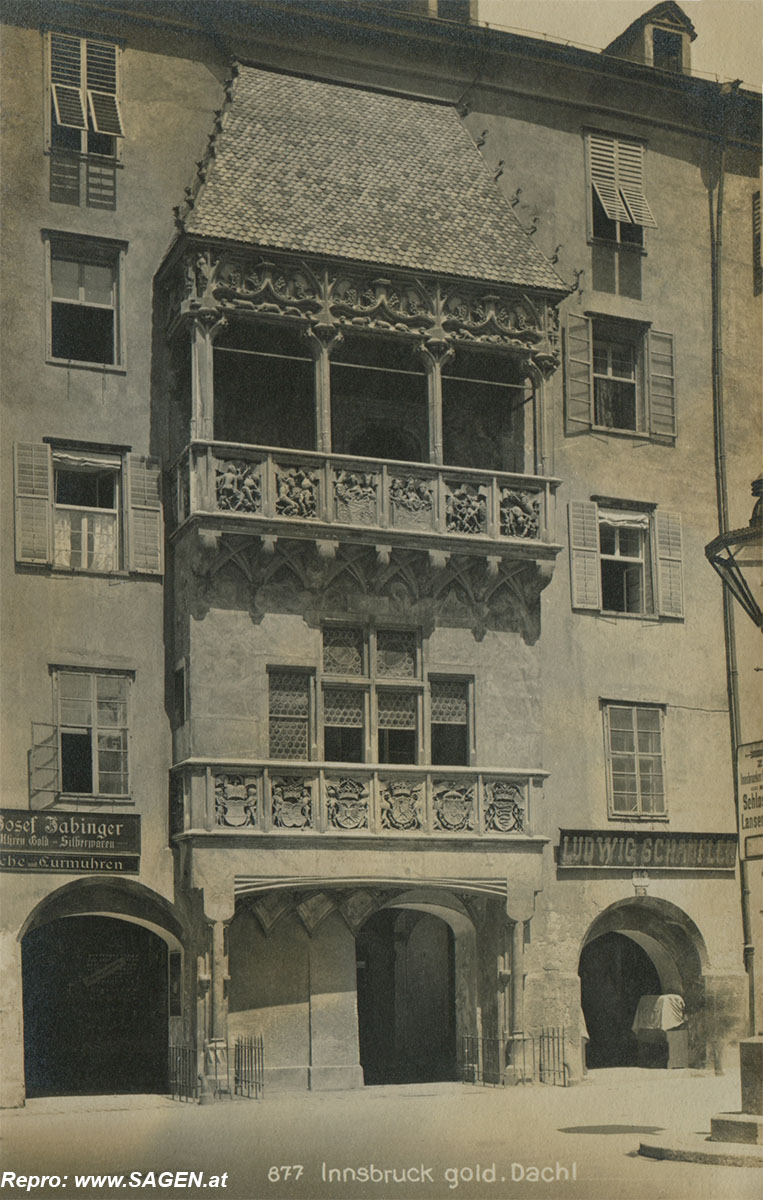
pixel 607 850
pixel 750 794
pixel 69 841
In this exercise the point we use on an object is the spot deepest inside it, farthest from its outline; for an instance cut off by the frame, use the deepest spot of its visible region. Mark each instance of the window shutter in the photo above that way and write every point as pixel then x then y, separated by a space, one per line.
pixel 34 492
pixel 145 515
pixel 44 765
pixel 630 179
pixel 585 571
pixel 102 89
pixel 66 81
pixel 670 590
pixel 602 160
pixel 662 384
pixel 578 376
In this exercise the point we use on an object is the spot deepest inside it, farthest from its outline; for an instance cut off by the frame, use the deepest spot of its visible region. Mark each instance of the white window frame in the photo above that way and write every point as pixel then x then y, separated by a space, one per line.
pixel 662 587
pixel 84 250
pixel 639 813
pixel 655 376
pixel 137 510
pixel 93 674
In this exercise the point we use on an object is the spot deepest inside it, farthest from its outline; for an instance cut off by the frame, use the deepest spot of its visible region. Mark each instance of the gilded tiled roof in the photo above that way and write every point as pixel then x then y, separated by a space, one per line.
pixel 322 168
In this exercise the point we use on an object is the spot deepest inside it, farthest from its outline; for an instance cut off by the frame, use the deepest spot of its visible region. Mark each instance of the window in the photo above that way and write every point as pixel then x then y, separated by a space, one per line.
pixel 85 120
pixel 85 322
pixel 619 376
pixel 87 508
pixel 93 731
pixel 667 50
pixel 368 699
pixel 633 740
pixel 618 213
pixel 625 560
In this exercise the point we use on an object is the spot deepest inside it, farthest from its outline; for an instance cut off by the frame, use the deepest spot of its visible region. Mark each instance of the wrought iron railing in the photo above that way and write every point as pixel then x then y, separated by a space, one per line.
pixel 183 1072
pixel 538 1057
pixel 325 799
pixel 249 1067
pixel 263 483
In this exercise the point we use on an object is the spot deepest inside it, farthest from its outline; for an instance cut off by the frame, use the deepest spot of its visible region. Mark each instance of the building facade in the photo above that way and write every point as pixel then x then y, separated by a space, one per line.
pixel 365 677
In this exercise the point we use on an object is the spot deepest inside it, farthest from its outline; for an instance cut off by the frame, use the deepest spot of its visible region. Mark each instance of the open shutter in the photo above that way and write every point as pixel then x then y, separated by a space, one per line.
pixel 585 570
pixel 102 89
pixel 630 179
pixel 578 373
pixel 145 515
pixel 670 587
pixel 66 81
pixel 44 765
pixel 662 384
pixel 602 162
pixel 34 493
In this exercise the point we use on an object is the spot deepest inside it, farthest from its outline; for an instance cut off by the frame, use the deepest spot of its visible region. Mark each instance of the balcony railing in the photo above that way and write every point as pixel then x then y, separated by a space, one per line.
pixel 327 800
pixel 291 487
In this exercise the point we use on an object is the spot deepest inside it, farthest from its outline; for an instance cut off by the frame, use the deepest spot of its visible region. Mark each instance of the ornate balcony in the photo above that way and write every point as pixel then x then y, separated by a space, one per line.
pixel 325 800
pixel 333 497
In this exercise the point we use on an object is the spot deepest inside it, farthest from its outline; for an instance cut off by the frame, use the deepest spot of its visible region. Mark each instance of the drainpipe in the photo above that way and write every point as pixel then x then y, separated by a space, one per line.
pixel 728 92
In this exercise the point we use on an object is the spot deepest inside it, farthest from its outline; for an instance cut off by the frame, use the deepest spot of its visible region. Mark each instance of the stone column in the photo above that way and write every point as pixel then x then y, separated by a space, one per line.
pixel 214 999
pixel 435 354
pixel 323 338
pixel 207 322
pixel 520 907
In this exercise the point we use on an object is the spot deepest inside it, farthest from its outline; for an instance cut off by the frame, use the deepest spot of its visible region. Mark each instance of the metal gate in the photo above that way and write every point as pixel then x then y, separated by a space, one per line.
pixel 249 1067
pixel 183 1073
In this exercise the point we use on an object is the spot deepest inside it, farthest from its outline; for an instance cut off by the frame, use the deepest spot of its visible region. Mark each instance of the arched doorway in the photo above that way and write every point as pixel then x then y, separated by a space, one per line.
pixel 95 1007
pixel 614 974
pixel 642 947
pixel 406 997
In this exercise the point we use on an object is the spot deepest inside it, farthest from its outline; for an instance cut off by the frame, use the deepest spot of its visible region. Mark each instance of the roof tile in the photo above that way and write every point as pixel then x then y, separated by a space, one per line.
pixel 322 168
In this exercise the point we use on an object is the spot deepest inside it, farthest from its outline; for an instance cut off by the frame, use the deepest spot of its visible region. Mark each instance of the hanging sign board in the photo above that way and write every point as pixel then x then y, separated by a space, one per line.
pixel 750 794
pixel 69 841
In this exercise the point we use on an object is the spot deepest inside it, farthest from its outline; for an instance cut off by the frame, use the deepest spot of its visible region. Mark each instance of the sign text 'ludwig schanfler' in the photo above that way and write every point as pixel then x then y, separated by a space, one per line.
pixel 639 850
pixel 69 841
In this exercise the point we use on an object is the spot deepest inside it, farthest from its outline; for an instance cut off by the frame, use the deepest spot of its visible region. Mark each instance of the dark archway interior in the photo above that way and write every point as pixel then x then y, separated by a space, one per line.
pixel 406 998
pixel 614 974
pixel 95 1008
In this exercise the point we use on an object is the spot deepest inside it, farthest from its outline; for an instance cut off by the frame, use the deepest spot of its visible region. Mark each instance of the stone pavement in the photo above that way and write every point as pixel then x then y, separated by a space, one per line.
pixel 423 1140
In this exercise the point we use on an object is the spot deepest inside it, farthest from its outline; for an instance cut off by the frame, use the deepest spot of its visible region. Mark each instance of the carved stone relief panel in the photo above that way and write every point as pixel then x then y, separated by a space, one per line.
pixel 296 492
pixel 292 802
pixel 355 494
pixel 520 514
pixel 465 508
pixel 347 803
pixel 454 806
pixel 402 804
pixel 505 808
pixel 236 800
pixel 411 502
pixel 238 486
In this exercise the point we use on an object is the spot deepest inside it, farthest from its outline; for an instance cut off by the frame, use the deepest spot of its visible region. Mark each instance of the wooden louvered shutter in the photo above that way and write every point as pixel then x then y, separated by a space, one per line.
pixel 585 568
pixel 34 495
pixel 578 373
pixel 44 765
pixel 103 103
pixel 630 180
pixel 66 81
pixel 144 508
pixel 602 163
pixel 662 384
pixel 670 587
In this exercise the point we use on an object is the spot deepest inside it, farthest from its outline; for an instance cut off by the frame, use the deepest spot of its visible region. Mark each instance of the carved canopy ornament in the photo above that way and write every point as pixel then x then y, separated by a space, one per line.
pixel 330 296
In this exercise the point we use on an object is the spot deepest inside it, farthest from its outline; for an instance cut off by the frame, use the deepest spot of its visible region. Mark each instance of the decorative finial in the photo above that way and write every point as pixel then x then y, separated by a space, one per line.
pixel 515 198
pixel 498 170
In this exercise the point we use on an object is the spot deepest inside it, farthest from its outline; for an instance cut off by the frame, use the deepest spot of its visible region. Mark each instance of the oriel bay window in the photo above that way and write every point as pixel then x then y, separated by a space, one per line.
pixel 367 704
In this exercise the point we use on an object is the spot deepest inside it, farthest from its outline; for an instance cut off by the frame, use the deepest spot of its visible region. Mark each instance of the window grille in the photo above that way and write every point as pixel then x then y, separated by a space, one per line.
pixel 450 705
pixel 396 654
pixel 396 710
pixel 289 703
pixel 343 706
pixel 343 651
